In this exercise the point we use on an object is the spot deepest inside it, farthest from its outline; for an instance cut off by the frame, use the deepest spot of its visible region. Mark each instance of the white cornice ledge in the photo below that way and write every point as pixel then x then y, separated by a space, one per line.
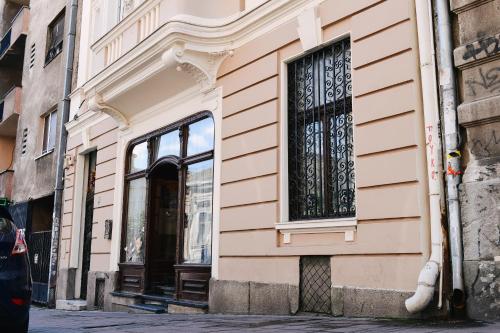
pixel 97 104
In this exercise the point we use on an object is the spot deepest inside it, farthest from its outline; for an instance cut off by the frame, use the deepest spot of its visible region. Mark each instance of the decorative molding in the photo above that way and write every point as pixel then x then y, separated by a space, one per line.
pixel 96 103
pixel 460 6
pixel 346 226
pixel 202 66
pixel 309 29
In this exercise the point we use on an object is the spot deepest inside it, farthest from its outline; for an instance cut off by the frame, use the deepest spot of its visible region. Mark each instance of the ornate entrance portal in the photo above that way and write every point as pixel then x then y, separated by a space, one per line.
pixel 167 231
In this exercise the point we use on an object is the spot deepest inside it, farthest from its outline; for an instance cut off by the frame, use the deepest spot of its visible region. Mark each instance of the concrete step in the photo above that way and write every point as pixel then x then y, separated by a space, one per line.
pixel 71 305
pixel 147 308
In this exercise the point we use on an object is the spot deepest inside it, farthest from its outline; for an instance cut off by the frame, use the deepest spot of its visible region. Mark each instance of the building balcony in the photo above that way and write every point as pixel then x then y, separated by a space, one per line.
pixel 10 109
pixel 13 42
pixel 141 22
pixel 6 182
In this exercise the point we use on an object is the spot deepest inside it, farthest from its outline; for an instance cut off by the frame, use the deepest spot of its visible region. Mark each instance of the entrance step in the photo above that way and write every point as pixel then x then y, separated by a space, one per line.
pixel 71 305
pixel 148 308
pixel 151 303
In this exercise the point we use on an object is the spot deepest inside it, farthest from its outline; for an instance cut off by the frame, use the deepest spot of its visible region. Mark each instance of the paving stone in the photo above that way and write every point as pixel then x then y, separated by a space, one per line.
pixel 55 321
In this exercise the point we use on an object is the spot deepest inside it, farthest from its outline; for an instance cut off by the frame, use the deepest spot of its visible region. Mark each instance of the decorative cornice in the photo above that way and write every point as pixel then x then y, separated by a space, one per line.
pixel 97 104
pixel 202 66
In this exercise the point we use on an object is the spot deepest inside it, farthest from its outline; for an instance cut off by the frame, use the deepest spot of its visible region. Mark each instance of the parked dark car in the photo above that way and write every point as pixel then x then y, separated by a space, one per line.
pixel 15 276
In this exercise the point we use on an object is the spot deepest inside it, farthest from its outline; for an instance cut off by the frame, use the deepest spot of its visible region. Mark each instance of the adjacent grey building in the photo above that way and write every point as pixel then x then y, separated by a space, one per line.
pixel 477 61
pixel 31 83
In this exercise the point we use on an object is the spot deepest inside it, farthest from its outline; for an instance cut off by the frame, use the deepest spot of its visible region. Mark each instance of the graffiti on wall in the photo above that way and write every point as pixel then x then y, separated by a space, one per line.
pixel 486 145
pixel 482 48
pixel 484 81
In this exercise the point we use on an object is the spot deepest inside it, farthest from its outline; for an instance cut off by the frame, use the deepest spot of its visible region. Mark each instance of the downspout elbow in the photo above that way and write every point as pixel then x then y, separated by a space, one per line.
pixel 425 288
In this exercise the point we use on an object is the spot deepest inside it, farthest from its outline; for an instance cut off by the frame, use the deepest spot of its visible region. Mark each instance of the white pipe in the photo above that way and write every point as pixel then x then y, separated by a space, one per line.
pixel 429 274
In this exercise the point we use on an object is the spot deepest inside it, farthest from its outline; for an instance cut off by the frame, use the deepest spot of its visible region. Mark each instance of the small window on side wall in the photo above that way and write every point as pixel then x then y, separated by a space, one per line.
pixel 55 36
pixel 49 132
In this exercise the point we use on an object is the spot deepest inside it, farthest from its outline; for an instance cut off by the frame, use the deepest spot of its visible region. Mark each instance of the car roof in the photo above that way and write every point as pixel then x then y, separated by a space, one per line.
pixel 5 213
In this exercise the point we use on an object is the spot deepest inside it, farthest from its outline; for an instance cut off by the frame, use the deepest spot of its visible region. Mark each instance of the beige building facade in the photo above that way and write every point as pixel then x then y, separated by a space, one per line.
pixel 247 157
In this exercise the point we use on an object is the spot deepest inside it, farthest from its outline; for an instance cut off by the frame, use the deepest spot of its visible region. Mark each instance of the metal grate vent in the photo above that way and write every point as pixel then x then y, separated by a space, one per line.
pixel 315 284
pixel 25 141
pixel 99 294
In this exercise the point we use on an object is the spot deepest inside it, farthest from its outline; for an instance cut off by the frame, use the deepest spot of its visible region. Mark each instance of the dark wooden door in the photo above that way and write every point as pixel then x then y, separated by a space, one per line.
pixel 163 217
pixel 89 217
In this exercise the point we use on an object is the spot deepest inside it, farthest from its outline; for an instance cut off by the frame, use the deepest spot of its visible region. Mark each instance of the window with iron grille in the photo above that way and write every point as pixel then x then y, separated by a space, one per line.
pixel 320 135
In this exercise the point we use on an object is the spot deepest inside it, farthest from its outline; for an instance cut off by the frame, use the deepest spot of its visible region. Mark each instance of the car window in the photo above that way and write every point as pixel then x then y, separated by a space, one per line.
pixel 5 225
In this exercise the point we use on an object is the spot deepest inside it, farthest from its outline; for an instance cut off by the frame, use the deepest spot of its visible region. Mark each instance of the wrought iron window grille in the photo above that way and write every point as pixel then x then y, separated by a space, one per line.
pixel 320 135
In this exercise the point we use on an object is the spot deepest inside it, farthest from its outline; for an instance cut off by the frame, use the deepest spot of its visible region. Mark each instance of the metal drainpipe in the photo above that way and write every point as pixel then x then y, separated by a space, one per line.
pixel 61 152
pixel 451 139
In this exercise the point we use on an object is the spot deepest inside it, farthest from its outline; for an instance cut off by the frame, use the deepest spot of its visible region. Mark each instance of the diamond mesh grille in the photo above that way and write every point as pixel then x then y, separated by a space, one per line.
pixel 99 294
pixel 315 284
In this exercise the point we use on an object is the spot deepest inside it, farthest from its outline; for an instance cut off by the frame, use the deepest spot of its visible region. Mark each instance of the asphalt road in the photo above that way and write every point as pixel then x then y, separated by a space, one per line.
pixel 53 321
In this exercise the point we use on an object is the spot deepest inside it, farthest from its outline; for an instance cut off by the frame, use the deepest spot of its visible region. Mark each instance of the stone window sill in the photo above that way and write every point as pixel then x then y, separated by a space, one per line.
pixel 346 226
pixel 44 154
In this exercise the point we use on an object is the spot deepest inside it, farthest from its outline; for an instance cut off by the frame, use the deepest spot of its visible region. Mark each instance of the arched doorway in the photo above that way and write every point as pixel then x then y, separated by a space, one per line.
pixel 162 233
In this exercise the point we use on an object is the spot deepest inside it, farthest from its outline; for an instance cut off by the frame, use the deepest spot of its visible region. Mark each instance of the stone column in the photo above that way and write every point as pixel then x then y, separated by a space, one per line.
pixel 477 58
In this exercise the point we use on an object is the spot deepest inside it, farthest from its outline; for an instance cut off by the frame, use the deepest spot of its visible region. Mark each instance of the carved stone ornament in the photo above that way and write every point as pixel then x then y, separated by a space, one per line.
pixel 202 66
pixel 97 104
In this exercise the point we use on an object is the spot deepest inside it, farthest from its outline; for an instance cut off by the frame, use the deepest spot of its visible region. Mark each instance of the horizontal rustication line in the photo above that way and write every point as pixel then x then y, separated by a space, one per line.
pixel 390 220
pixel 381 30
pixel 408 182
pixel 105 161
pixel 249 178
pixel 354 13
pixel 373 121
pixel 246 230
pixel 101 192
pixel 249 204
pixel 249 108
pixel 393 55
pixel 253 84
pixel 107 145
pixel 387 150
pixel 385 254
pixel 384 88
pixel 243 65
pixel 249 130
pixel 104 206
pixel 248 154
pixel 111 174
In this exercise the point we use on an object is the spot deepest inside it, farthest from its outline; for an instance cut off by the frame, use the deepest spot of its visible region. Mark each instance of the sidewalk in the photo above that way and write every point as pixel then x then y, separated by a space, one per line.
pixel 52 321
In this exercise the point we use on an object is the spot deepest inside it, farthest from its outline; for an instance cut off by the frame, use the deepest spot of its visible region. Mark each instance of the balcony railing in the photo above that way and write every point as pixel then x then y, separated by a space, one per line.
pixel 144 20
pixel 6 182
pixel 10 109
pixel 16 33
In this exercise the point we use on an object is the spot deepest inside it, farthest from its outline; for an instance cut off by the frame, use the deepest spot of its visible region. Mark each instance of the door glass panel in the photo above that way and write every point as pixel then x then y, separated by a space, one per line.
pixel 168 144
pixel 139 158
pixel 198 213
pixel 201 137
pixel 136 216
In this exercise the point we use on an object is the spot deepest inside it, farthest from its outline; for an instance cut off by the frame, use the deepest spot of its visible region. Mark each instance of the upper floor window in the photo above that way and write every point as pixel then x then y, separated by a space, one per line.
pixel 49 132
pixel 320 135
pixel 55 37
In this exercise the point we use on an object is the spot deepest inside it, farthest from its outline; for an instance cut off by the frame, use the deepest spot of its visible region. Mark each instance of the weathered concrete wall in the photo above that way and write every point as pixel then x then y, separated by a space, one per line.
pixel 477 58
pixel 35 174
